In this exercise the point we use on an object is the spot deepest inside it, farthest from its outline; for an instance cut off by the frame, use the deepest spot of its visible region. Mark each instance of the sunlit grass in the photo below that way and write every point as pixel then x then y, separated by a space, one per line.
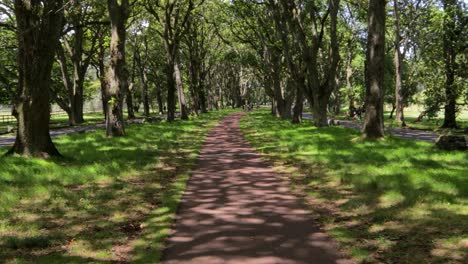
pixel 109 199
pixel 61 120
pixel 392 201
pixel 433 123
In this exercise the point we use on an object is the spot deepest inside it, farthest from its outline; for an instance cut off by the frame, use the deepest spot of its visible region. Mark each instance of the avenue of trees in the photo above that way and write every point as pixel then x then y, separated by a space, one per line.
pixel 183 57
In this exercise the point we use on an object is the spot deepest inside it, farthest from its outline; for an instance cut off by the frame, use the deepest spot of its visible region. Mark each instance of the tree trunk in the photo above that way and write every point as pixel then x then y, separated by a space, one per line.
pixel 337 105
pixel 375 61
pixel 170 91
pixel 202 101
pixel 67 83
pixel 146 104
pixel 78 77
pixel 392 112
pixel 298 105
pixel 221 98
pixel 129 101
pixel 450 60
pixel 102 78
pixel 129 92
pixel 36 50
pixel 159 99
pixel 144 83
pixel 399 117
pixel 320 111
pixel 319 92
pixel 117 74
pixel 349 76
pixel 421 116
pixel 180 92
pixel 333 74
pixel 282 104
pixel 104 96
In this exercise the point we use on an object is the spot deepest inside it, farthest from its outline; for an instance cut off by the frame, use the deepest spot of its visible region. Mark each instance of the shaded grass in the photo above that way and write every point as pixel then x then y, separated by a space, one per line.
pixel 109 200
pixel 391 201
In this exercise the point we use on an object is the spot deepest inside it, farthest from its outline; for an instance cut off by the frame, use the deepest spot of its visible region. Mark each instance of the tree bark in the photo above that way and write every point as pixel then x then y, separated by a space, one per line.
pixel 117 73
pixel 36 50
pixel 375 61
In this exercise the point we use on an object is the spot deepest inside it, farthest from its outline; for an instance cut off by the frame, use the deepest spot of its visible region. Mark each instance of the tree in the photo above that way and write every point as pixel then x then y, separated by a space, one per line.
pixel 375 61
pixel 142 72
pixel 78 45
pixel 117 75
pixel 172 16
pixel 254 25
pixel 100 65
pixel 197 41
pixel 36 50
pixel 8 48
pixel 450 55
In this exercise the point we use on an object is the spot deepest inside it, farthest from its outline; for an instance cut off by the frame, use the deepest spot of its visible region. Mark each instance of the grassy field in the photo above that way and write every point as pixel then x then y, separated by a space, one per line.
pixel 427 123
pixel 109 200
pixel 58 121
pixel 61 120
pixel 388 201
pixel 431 124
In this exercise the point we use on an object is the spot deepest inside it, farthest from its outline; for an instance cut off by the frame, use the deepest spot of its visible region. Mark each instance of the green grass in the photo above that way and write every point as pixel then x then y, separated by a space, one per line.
pixel 430 124
pixel 109 200
pixel 4 127
pixel 390 201
pixel 57 121
pixel 61 120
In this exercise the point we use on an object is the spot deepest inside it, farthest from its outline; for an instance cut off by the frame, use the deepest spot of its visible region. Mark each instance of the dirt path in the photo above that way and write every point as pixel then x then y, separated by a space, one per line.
pixel 235 210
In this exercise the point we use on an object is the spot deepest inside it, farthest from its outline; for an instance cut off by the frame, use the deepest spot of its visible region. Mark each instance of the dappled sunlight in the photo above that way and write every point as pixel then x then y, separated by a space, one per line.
pixel 104 199
pixel 235 209
pixel 395 197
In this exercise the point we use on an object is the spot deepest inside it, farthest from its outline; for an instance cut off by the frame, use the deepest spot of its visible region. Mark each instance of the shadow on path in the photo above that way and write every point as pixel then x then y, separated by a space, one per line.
pixel 235 210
